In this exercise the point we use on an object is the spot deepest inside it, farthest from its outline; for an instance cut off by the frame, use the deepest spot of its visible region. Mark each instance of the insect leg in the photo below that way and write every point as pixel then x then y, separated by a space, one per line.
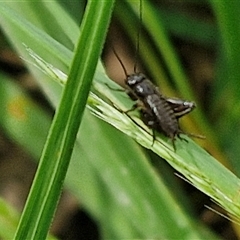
pixel 153 131
pixel 195 135
pixel 154 136
pixel 135 122
pixel 115 89
pixel 174 145
pixel 134 107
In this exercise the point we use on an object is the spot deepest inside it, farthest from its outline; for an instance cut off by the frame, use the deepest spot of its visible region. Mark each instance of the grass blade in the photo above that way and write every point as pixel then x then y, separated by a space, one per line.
pixel 55 159
pixel 102 173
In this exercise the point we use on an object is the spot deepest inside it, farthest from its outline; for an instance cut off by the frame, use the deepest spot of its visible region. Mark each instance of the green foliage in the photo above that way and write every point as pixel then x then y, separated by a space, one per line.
pixel 109 173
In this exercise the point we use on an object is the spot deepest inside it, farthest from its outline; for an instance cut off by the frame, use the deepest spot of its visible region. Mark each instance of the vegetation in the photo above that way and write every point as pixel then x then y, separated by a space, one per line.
pixel 121 185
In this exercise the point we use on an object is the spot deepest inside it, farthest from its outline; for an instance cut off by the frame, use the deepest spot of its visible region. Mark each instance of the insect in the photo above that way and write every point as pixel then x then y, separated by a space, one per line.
pixel 179 107
pixel 158 112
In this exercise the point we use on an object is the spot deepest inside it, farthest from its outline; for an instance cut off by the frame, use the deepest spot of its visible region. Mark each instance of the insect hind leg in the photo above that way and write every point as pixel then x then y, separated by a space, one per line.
pixel 153 131
pixel 189 135
pixel 195 135
pixel 135 106
pixel 181 138
pixel 178 135
pixel 154 137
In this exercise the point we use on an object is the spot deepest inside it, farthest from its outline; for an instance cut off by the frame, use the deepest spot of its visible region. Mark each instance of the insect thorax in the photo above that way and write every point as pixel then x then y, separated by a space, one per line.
pixel 140 85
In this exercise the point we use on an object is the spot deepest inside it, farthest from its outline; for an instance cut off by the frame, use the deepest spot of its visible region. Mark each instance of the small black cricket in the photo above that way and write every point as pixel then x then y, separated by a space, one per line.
pixel 158 112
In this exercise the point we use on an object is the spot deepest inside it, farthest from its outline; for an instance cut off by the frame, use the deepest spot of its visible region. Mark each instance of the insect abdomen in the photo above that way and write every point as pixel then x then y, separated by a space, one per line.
pixel 164 115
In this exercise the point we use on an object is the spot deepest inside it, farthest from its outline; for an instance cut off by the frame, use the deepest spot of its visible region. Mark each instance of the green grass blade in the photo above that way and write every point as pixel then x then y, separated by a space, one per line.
pixel 103 177
pixel 54 162
pixel 35 12
pixel 201 169
pixel 226 95
pixel 15 25
pixel 103 172
pixel 136 190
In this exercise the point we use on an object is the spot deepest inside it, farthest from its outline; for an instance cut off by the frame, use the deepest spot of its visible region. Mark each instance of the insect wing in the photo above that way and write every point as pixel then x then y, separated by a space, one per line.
pixel 180 107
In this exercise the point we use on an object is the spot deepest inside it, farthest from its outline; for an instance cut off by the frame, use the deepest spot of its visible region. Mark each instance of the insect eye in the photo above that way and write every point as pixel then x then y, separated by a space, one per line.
pixel 134 79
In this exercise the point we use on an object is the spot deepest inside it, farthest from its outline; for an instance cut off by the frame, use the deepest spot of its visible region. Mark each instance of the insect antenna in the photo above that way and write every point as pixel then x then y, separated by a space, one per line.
pixel 120 61
pixel 138 37
pixel 137 45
